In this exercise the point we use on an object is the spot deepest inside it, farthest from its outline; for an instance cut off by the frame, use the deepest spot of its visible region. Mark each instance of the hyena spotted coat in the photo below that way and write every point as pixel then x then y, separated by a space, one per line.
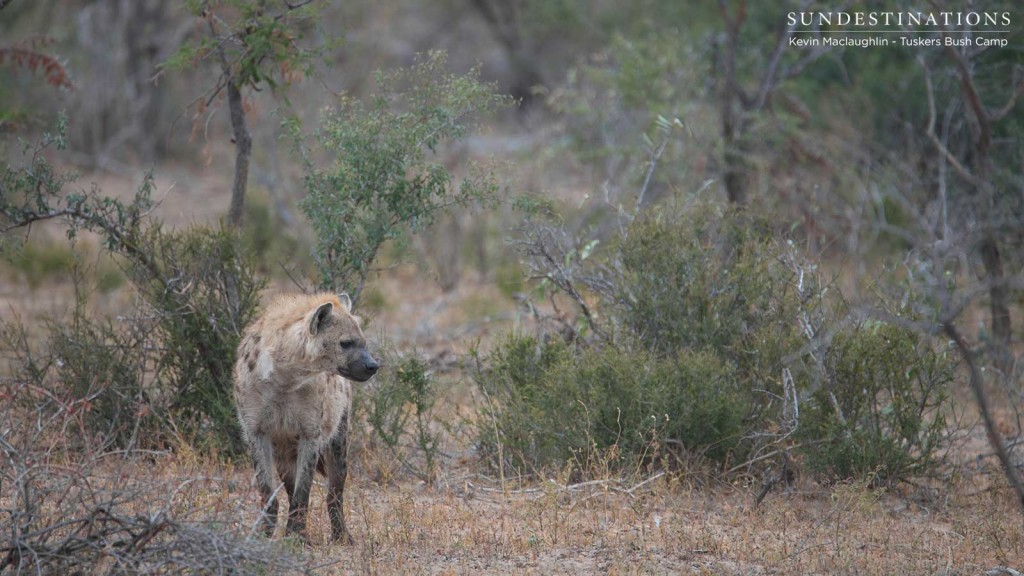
pixel 293 396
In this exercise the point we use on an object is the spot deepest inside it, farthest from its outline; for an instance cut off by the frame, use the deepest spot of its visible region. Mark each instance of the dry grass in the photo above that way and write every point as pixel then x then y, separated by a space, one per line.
pixel 665 527
pixel 467 525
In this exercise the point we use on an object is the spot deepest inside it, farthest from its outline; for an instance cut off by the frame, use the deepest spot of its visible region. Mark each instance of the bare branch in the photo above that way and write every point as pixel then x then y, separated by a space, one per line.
pixel 772 77
pixel 549 257
pixel 651 165
pixel 800 65
pixel 981 115
pixel 953 161
pixel 1010 103
pixel 769 79
pixel 977 387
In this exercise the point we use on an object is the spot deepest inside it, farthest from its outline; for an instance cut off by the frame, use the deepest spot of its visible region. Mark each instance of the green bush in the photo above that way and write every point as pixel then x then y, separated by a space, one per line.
pixel 705 314
pixel 719 340
pixel 881 414
pixel 400 408
pixel 714 281
pixel 383 179
pixel 204 293
pixel 548 405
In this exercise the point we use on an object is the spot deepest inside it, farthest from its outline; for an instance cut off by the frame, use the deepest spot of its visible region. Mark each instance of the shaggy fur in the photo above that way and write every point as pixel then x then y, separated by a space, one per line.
pixel 293 396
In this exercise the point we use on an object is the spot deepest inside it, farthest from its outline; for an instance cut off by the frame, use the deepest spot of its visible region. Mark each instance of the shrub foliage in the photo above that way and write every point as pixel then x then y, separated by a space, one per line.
pixel 401 410
pixel 172 355
pixel 713 339
pixel 383 178
pixel 548 404
pixel 880 415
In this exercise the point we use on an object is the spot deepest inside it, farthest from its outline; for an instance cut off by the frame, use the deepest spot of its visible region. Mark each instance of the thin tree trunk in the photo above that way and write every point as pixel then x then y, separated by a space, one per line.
pixel 243 147
pixel 737 171
pixel 1001 327
pixel 990 427
pixel 242 139
pixel 981 130
pixel 733 110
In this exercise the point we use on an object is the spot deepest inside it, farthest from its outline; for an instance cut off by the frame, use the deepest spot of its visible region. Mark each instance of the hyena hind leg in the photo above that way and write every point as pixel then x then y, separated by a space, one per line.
pixel 305 466
pixel 336 470
pixel 263 460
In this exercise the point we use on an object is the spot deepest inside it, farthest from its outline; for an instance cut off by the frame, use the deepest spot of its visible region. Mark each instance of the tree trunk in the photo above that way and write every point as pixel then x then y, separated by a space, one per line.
pixel 243 147
pixel 733 111
pixel 503 17
pixel 977 386
pixel 1002 333
pixel 737 170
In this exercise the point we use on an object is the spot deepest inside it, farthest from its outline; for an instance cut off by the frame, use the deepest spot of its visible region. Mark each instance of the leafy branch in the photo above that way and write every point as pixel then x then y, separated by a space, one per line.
pixel 259 48
pixel 382 180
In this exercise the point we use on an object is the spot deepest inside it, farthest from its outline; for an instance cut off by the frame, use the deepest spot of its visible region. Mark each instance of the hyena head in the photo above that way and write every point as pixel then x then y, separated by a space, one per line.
pixel 337 343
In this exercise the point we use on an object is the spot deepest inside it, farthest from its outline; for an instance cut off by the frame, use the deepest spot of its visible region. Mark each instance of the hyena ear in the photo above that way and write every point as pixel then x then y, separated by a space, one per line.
pixel 320 317
pixel 346 302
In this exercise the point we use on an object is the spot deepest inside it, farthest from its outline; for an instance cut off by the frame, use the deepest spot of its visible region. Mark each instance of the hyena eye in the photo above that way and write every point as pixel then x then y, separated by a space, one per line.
pixel 346 344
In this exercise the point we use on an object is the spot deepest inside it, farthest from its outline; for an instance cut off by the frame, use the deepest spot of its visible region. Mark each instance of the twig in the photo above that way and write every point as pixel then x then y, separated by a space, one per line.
pixel 757 459
pixel 960 168
pixel 651 165
pixel 645 482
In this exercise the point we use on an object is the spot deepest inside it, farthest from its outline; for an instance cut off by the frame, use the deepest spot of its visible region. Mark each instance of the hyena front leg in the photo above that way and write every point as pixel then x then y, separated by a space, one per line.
pixel 263 460
pixel 305 465
pixel 336 469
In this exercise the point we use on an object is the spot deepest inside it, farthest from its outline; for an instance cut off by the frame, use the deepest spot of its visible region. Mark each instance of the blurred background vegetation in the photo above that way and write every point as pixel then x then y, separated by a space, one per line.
pixel 713 250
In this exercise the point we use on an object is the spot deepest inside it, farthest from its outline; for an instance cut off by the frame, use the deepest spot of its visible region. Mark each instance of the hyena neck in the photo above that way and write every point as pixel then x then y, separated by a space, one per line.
pixel 295 373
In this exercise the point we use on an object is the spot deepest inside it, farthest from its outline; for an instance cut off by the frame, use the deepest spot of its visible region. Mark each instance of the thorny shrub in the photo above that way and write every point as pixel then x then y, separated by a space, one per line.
pixel 97 362
pixel 72 507
pixel 548 404
pixel 707 335
pixel 206 293
pixel 709 280
pixel 173 354
pixel 880 415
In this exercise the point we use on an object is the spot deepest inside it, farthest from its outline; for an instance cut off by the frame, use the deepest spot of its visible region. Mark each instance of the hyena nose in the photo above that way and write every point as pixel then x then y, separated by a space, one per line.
pixel 372 366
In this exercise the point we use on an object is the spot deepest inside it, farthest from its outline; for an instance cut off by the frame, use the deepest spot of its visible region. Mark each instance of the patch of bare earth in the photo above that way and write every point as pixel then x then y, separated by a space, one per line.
pixel 466 525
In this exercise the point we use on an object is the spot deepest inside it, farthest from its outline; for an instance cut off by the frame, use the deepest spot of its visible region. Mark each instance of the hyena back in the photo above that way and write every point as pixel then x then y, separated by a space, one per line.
pixel 293 395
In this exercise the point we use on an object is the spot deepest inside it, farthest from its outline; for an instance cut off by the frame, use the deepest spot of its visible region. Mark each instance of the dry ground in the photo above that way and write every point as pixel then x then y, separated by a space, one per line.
pixel 673 529
pixel 467 525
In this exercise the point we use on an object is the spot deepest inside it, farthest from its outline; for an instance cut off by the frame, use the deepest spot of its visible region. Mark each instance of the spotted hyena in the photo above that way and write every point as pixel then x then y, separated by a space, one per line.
pixel 293 396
